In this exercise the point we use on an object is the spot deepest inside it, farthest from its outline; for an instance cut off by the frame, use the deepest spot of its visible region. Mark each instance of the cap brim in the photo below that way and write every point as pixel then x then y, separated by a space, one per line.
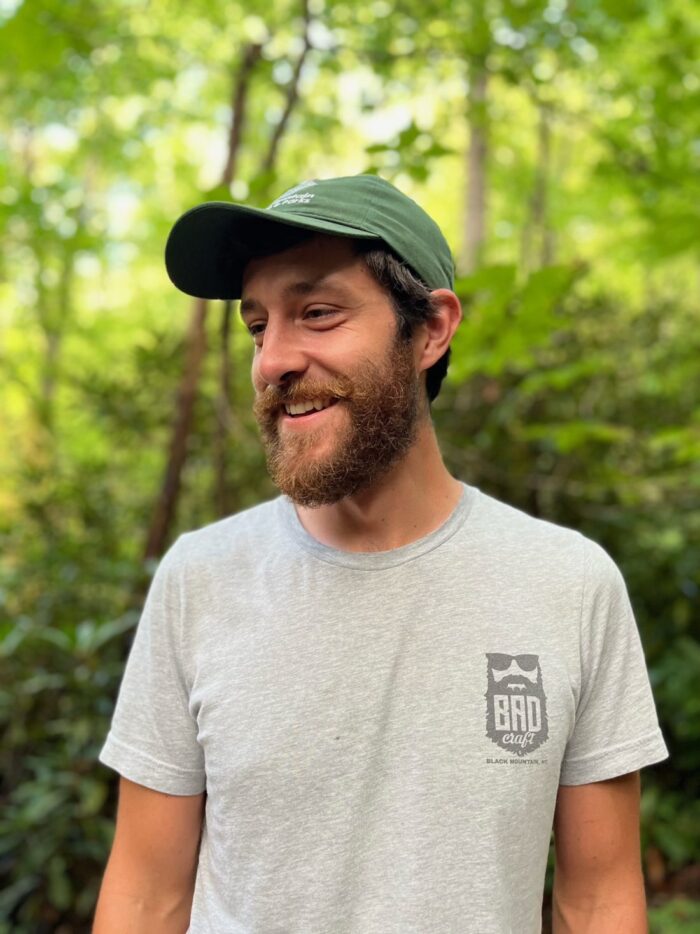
pixel 210 245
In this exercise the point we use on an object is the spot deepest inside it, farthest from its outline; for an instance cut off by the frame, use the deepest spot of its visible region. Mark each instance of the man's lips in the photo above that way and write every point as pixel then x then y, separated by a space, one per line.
pixel 309 416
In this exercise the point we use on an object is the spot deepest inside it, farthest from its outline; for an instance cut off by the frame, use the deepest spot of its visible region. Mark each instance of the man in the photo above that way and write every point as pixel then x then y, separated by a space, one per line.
pixel 374 695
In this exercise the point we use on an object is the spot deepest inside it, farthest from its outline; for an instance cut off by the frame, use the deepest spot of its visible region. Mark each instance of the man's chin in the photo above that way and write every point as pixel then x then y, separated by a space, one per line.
pixel 311 495
pixel 311 499
pixel 326 485
pixel 330 483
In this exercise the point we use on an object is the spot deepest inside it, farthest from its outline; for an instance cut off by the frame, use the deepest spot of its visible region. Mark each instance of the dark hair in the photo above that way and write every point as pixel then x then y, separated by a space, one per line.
pixel 410 297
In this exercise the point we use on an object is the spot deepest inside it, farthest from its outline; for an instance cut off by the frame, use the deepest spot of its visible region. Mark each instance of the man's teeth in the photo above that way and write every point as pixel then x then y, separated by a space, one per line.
pixel 301 407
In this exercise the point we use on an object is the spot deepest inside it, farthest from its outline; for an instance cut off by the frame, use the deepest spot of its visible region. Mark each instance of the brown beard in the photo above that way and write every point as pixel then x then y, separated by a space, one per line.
pixel 384 407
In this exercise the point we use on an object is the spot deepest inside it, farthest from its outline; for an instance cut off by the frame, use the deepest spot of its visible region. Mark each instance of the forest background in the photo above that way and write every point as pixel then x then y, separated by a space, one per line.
pixel 558 146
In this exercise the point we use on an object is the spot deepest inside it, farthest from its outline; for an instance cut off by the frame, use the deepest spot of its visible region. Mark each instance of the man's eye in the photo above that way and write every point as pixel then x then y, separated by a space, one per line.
pixel 319 311
pixel 257 329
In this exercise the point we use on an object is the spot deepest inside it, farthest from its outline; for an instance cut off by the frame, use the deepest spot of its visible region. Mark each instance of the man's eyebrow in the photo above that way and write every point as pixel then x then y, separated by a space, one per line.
pixel 304 287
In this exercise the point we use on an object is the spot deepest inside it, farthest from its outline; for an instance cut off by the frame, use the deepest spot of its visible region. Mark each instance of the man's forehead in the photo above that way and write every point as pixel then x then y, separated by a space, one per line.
pixel 330 263
pixel 333 283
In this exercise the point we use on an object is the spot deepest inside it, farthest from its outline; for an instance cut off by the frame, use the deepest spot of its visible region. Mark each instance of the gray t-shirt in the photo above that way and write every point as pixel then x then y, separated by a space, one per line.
pixel 381 735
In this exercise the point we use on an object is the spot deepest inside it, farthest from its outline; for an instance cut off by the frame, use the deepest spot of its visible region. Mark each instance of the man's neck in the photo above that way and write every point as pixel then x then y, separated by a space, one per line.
pixel 409 502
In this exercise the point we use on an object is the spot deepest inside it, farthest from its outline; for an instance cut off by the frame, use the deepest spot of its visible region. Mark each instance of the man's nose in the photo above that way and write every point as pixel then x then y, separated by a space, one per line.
pixel 280 357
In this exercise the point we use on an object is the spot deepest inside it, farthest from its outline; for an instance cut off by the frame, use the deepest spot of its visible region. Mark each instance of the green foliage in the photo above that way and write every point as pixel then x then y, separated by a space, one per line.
pixel 506 322
pixel 672 822
pixel 678 916
pixel 56 823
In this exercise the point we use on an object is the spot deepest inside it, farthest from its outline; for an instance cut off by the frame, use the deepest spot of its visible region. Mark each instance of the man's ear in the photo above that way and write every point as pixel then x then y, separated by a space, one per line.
pixel 434 336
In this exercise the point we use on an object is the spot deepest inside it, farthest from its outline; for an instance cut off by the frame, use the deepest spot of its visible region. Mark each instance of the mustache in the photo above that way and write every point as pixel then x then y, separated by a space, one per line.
pixel 514 681
pixel 271 400
pixel 514 672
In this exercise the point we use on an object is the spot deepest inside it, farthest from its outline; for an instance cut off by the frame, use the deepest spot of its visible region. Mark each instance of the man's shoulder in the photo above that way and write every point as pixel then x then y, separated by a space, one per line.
pixel 511 529
pixel 243 531
pixel 514 522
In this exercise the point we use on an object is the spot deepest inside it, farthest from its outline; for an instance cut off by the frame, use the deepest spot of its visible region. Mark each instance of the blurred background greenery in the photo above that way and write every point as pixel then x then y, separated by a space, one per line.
pixel 558 146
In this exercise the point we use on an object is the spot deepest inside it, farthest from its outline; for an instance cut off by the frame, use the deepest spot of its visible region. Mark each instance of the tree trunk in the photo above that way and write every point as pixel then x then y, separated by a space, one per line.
pixel 475 207
pixel 291 96
pixel 537 229
pixel 239 100
pixel 163 514
pixel 546 230
pixel 165 508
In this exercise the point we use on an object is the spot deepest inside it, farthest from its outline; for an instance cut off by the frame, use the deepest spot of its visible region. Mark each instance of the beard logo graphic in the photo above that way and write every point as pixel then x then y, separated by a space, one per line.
pixel 516 707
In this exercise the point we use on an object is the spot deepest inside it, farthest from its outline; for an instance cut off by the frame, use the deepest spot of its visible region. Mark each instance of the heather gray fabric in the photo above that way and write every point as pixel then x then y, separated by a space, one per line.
pixel 381 735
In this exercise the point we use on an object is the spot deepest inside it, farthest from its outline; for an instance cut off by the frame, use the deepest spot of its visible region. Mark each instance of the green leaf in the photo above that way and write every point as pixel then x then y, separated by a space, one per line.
pixel 577 434
pixel 60 889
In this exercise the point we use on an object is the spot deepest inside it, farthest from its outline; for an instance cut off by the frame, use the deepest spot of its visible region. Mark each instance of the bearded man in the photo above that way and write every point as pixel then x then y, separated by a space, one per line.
pixel 361 707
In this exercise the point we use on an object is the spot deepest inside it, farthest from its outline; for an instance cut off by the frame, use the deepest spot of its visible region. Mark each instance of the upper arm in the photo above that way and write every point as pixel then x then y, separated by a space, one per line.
pixel 596 828
pixel 152 866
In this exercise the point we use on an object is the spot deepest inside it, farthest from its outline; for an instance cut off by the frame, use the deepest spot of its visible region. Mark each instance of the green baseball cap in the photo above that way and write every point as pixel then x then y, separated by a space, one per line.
pixel 209 246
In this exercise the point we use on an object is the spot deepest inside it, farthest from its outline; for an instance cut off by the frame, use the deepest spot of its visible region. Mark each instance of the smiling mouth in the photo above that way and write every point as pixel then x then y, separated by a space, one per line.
pixel 300 416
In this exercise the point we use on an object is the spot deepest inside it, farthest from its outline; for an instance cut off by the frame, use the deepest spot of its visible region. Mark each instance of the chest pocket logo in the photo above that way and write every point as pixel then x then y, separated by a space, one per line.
pixel 516 705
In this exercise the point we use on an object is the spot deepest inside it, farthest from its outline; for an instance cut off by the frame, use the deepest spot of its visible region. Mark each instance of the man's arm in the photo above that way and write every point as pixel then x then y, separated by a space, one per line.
pixel 149 879
pixel 598 881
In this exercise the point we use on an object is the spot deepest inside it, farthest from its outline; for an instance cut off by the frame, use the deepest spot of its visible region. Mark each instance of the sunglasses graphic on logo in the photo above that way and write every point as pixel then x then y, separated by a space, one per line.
pixel 500 662
pixel 508 666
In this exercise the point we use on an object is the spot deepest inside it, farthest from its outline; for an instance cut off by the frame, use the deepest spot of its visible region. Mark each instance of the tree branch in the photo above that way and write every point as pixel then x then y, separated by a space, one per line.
pixel 292 93
pixel 239 99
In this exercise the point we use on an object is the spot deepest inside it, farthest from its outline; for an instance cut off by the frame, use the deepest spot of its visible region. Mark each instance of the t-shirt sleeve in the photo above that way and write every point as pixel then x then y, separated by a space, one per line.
pixel 616 727
pixel 153 735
